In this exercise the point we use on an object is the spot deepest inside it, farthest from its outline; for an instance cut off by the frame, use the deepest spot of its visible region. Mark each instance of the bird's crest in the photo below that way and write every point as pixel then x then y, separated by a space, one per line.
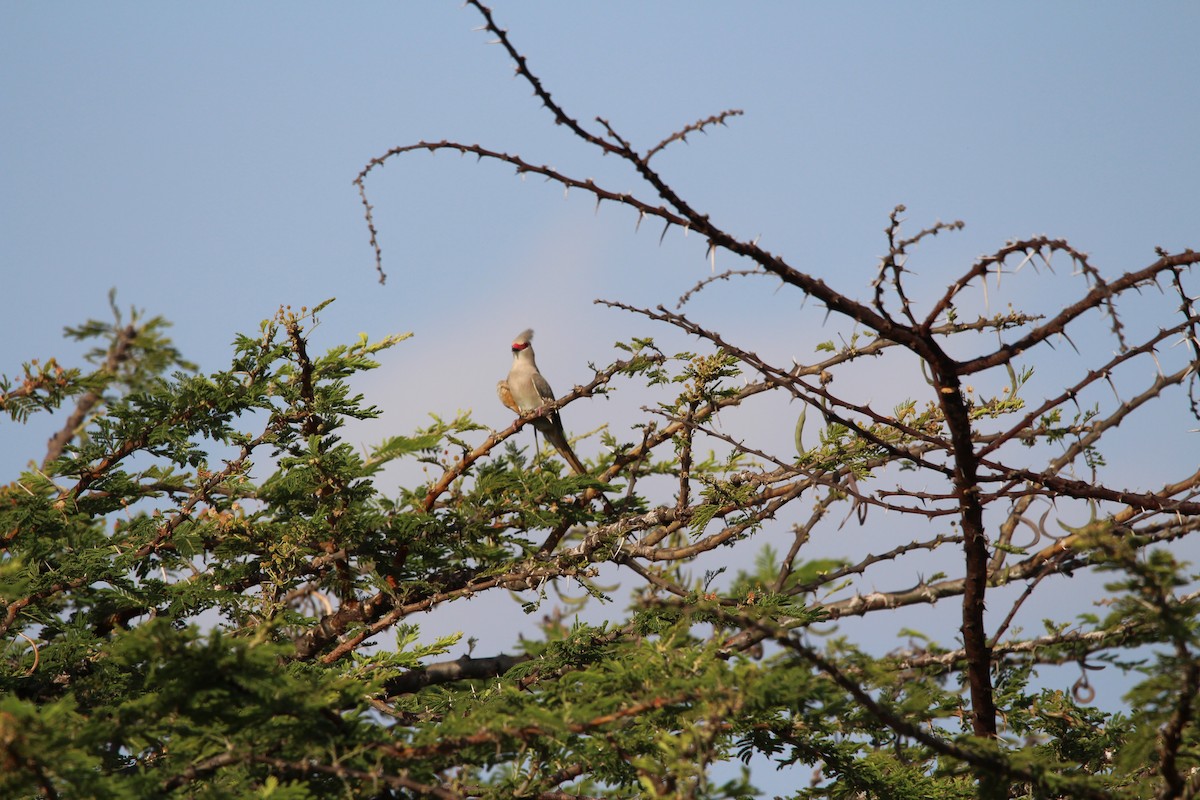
pixel 522 339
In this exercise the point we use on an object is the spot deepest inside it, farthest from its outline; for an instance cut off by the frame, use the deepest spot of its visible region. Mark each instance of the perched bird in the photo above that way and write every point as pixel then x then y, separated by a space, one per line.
pixel 525 391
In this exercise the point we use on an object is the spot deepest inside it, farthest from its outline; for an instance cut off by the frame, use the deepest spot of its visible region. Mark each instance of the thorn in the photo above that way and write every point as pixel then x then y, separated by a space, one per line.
pixel 1068 338
pixel 1046 260
pixel 1154 355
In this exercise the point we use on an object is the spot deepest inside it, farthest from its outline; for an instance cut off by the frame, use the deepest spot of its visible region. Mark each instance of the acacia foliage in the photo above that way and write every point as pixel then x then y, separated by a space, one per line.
pixel 175 625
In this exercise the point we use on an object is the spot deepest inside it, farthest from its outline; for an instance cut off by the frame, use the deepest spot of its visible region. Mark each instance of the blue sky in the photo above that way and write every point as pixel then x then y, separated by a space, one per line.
pixel 199 158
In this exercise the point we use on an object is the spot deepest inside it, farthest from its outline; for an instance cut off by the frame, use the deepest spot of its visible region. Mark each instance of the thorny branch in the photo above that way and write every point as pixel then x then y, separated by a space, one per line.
pixel 118 352
pixel 970 453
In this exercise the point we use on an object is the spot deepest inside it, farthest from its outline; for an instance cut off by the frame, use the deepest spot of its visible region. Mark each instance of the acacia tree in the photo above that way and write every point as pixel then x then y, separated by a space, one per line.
pixel 175 627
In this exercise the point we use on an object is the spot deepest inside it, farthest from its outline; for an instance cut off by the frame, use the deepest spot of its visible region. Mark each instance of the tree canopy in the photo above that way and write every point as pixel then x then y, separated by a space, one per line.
pixel 208 592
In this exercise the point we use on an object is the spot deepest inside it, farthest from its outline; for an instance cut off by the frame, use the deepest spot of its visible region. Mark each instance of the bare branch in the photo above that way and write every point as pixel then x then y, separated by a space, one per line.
pixel 699 125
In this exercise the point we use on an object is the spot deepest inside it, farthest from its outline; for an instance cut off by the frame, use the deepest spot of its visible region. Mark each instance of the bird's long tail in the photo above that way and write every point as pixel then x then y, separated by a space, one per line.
pixel 560 443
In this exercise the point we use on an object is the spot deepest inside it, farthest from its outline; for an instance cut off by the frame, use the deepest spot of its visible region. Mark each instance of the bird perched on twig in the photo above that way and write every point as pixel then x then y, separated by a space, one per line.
pixel 525 391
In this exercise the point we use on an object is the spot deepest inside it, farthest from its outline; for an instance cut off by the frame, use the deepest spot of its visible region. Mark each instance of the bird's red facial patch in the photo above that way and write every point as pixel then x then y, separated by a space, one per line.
pixel 517 346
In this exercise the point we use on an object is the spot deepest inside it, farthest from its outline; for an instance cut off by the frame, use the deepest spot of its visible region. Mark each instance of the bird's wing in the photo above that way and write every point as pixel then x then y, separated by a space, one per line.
pixel 506 397
pixel 543 388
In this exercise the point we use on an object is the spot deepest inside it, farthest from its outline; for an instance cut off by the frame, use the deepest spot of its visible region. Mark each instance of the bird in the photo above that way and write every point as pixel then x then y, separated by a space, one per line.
pixel 525 391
